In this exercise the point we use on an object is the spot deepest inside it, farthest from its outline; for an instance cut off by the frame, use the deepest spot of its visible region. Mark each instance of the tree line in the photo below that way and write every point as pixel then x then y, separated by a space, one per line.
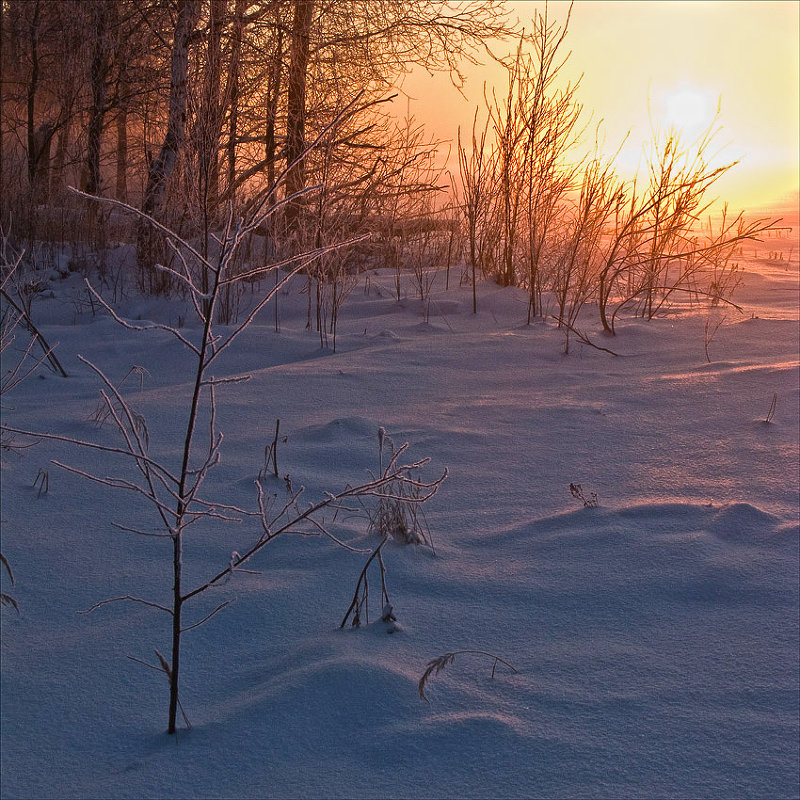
pixel 188 108
pixel 183 106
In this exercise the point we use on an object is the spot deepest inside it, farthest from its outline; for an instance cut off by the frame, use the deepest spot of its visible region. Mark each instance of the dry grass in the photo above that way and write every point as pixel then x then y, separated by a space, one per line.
pixel 436 665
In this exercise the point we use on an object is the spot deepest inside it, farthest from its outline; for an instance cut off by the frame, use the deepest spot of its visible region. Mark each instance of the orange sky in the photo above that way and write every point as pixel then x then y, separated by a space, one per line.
pixel 683 56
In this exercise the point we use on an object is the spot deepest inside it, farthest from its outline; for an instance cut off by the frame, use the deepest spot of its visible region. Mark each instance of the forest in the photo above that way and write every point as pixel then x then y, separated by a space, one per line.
pixel 195 112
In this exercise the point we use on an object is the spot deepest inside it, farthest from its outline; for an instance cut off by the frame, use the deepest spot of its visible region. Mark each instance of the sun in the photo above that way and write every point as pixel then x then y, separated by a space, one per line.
pixel 687 110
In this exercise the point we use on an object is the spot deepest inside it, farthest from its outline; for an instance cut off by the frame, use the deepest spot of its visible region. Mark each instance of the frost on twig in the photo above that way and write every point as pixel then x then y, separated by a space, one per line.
pixel 128 598
pixel 175 490
pixel 397 517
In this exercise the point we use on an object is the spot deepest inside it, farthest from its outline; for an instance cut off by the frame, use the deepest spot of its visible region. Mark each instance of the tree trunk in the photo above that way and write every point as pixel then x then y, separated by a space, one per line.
pixel 41 140
pixel 33 85
pixel 207 132
pixel 59 162
pixel 273 96
pixel 121 183
pixel 233 95
pixel 98 73
pixel 164 163
pixel 2 98
pixel 296 109
pixel 212 122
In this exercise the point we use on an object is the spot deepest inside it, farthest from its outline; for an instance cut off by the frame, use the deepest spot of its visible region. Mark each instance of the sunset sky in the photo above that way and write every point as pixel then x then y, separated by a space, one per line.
pixel 681 59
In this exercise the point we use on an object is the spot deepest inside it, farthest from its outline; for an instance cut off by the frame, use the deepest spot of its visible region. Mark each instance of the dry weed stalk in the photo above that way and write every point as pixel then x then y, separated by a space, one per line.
pixel 771 412
pixel 576 491
pixel 710 329
pixel 7 599
pixel 436 665
pixel 398 518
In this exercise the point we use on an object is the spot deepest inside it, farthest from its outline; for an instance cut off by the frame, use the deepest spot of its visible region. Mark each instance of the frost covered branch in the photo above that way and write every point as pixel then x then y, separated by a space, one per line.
pixel 128 598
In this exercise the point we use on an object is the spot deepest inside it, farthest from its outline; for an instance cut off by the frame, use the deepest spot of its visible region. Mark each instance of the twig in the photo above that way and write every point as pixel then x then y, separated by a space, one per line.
pixel 34 331
pixel 131 599
pixel 207 617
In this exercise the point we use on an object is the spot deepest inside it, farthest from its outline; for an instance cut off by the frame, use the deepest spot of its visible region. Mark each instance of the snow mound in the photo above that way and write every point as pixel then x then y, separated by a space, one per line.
pixel 741 522
pixel 341 428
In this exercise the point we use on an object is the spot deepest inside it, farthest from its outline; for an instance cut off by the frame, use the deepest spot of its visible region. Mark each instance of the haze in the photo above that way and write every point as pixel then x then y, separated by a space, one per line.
pixel 680 60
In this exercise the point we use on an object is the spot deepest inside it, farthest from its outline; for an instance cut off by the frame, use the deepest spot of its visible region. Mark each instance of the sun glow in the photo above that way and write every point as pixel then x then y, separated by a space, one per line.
pixel 687 110
pixel 674 65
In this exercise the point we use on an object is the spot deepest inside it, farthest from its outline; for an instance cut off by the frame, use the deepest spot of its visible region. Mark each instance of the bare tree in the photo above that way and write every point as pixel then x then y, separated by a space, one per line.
pixel 552 129
pixel 98 71
pixel 476 171
pixel 370 43
pixel 507 115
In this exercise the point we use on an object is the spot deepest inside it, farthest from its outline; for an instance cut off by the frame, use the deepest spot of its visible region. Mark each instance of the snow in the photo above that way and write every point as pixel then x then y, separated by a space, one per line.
pixel 656 637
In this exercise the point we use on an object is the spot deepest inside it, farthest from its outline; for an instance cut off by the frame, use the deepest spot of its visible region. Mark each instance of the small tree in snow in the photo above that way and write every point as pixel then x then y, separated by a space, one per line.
pixel 175 493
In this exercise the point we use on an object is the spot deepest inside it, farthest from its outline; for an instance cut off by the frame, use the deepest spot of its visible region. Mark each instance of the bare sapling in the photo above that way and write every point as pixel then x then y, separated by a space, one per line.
pixel 175 492
pixel 476 180
pixel 654 250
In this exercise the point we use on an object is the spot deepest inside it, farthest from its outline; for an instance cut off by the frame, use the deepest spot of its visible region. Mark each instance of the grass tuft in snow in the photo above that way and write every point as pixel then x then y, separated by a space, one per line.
pixel 399 515
pixel 436 665
pixel 576 491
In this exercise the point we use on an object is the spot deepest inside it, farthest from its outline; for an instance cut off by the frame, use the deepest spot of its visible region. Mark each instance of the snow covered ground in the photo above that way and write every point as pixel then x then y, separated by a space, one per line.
pixel 655 637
